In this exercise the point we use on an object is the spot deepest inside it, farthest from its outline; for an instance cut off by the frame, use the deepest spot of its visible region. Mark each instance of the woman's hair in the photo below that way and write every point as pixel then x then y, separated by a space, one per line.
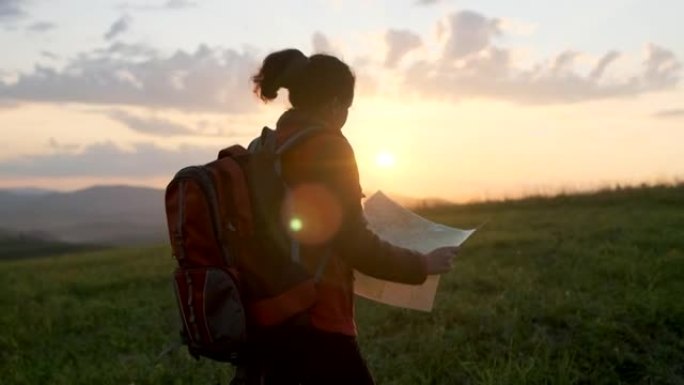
pixel 312 82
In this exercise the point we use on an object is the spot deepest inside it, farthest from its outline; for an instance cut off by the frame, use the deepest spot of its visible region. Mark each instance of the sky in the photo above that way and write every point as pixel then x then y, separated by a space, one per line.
pixel 456 99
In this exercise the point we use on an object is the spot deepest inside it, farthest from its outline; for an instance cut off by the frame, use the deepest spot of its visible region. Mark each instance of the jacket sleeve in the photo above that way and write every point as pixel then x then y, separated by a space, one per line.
pixel 355 243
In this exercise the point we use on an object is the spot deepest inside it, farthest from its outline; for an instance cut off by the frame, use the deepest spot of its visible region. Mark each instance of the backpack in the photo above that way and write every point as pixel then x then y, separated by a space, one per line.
pixel 238 267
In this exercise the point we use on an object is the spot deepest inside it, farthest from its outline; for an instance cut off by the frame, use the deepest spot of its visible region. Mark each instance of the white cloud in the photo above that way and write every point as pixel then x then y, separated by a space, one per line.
pixel 399 43
pixel 151 125
pixel 107 159
pixel 41 26
pixel 49 55
pixel 472 65
pixel 469 32
pixel 179 4
pixel 167 5
pixel 57 146
pixel 11 9
pixel 209 79
pixel 154 125
pixel 120 26
pixel 672 113
pixel 603 64
pixel 321 44
pixel 661 67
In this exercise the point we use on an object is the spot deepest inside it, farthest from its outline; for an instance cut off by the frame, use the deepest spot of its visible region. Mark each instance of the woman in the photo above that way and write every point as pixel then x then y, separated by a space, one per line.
pixel 319 346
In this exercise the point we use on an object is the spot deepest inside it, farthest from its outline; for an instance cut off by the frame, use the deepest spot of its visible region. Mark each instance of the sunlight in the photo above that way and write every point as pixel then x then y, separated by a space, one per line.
pixel 385 159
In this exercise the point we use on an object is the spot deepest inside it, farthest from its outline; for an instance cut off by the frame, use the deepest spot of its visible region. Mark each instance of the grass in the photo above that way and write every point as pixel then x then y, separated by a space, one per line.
pixel 582 289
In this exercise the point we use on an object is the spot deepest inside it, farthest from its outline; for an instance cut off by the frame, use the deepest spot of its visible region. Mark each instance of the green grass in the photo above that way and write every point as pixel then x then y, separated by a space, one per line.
pixel 584 289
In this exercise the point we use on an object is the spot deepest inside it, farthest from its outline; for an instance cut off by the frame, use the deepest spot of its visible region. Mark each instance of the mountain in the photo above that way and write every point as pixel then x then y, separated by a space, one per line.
pixel 31 191
pixel 418 203
pixel 102 215
pixel 116 215
pixel 18 245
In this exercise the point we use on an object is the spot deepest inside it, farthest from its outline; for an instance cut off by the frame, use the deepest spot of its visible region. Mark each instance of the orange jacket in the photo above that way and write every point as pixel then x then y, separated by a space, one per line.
pixel 325 210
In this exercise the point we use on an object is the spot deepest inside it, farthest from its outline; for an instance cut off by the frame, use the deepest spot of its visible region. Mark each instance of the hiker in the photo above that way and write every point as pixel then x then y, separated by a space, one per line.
pixel 319 346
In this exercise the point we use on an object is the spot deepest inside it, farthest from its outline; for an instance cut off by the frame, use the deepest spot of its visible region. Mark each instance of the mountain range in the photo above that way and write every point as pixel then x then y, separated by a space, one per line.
pixel 99 215
pixel 105 215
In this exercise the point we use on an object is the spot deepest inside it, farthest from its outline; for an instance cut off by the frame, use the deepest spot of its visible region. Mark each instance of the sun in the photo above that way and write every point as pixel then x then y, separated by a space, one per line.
pixel 385 159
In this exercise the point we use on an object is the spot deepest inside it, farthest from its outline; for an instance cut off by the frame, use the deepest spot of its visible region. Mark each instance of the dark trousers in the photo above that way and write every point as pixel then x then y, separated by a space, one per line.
pixel 302 355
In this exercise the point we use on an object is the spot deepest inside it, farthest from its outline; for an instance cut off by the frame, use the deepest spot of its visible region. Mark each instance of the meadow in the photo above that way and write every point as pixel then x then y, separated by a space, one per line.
pixel 574 289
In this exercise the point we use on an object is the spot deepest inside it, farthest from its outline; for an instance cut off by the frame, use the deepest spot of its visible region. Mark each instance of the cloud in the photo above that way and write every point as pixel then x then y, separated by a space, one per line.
pixel 120 26
pixel 661 66
pixel 151 126
pixel 41 27
pixel 106 159
pixel 399 43
pixel 209 79
pixel 179 4
pixel 11 9
pixel 154 125
pixel 8 104
pixel 602 64
pixel 471 65
pixel 167 5
pixel 670 113
pixel 49 55
pixel 128 51
pixel 321 44
pixel 62 147
pixel 469 32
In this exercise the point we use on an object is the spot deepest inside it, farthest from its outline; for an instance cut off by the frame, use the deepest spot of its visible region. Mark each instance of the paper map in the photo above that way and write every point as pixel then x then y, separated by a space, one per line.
pixel 401 227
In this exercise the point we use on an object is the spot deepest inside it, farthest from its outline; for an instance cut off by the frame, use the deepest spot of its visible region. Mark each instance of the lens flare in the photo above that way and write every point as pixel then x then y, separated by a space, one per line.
pixel 311 213
pixel 296 225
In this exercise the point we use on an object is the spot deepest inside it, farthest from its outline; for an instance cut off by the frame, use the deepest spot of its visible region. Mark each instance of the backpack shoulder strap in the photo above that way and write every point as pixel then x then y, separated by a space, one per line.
pixel 299 137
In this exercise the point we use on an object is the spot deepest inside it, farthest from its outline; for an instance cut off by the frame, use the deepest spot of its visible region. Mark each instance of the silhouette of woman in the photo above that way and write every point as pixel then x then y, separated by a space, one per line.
pixel 319 346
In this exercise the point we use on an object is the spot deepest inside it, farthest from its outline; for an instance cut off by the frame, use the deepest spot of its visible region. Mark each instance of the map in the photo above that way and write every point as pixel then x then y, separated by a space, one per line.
pixel 401 227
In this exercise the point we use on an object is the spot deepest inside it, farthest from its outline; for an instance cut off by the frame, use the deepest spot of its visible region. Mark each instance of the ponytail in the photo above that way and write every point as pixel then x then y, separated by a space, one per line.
pixel 312 82
pixel 280 69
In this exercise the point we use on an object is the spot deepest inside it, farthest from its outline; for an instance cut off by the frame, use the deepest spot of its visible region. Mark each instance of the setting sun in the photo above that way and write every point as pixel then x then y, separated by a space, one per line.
pixel 385 159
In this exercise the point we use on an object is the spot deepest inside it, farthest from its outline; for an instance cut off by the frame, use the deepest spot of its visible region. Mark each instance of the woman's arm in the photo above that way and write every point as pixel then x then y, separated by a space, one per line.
pixel 362 249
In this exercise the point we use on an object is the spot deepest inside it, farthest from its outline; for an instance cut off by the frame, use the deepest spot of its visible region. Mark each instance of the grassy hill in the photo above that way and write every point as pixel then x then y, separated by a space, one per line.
pixel 18 245
pixel 581 289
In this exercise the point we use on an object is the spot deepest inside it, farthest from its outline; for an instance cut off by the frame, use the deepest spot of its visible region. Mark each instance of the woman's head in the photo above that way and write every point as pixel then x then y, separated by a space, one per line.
pixel 314 83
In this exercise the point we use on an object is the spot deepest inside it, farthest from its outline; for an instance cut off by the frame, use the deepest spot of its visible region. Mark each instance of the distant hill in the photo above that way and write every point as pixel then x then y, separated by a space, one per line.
pixel 108 215
pixel 28 191
pixel 104 215
pixel 418 203
pixel 17 245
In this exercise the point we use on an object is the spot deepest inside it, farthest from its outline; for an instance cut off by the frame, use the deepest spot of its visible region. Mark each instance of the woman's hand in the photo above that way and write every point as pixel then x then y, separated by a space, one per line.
pixel 438 261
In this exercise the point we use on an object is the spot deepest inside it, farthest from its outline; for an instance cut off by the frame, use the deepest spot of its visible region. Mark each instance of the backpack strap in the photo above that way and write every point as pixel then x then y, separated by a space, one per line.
pixel 298 137
pixel 268 140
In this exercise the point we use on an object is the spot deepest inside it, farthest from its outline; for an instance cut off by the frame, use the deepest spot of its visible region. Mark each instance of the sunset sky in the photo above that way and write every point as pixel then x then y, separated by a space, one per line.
pixel 455 99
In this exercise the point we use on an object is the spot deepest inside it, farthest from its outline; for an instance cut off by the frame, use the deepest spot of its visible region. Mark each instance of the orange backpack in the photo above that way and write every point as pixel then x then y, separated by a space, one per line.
pixel 237 266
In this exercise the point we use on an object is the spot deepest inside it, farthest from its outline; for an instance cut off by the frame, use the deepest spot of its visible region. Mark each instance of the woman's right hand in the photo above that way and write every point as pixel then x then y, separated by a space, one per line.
pixel 438 261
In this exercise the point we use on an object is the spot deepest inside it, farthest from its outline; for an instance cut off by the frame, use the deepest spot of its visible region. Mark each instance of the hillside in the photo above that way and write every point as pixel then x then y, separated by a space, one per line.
pixel 17 245
pixel 570 290
pixel 103 215
pixel 115 215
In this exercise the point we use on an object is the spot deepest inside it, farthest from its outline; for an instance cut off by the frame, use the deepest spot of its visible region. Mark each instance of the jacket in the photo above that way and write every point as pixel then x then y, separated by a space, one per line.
pixel 327 217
